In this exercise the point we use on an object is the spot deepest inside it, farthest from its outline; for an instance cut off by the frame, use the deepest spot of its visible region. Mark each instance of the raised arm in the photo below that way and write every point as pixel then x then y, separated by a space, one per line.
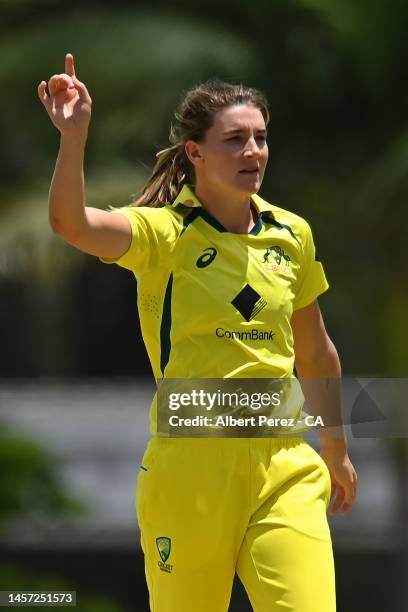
pixel 90 230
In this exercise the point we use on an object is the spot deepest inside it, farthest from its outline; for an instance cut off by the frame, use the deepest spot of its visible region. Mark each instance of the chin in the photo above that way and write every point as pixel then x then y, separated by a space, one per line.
pixel 243 187
pixel 248 187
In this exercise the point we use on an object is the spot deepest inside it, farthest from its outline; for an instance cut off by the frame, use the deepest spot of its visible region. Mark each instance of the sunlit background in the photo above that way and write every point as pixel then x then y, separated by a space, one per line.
pixel 76 383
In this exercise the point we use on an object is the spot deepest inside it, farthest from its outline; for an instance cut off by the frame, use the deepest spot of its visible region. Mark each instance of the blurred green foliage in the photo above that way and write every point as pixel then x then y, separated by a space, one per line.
pixel 334 72
pixel 30 483
pixel 13 578
pixel 31 491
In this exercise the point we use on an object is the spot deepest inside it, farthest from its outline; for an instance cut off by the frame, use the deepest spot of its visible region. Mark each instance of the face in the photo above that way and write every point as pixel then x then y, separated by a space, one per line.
pixel 234 154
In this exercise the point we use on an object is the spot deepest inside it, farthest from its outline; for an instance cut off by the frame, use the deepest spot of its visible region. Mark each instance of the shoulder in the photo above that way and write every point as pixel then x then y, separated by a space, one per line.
pixel 164 220
pixel 297 224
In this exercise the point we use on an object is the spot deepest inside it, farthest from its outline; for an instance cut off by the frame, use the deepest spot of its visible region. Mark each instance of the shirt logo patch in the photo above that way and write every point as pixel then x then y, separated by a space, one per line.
pixel 248 302
pixel 164 547
pixel 280 260
pixel 206 258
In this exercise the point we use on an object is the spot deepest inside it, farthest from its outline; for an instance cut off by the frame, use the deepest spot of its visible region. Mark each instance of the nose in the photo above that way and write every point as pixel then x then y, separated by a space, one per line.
pixel 251 149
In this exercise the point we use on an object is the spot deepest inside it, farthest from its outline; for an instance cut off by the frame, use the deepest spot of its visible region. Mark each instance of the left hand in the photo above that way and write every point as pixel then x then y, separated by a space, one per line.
pixel 344 480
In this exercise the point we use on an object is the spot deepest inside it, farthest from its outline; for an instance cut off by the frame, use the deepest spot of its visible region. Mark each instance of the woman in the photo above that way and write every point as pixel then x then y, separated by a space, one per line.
pixel 227 288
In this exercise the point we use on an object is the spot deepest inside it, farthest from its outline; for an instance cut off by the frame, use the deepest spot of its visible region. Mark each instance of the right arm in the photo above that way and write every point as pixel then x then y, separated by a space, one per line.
pixel 91 230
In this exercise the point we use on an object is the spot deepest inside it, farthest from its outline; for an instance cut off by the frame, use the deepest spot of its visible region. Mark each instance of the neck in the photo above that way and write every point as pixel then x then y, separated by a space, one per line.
pixel 233 211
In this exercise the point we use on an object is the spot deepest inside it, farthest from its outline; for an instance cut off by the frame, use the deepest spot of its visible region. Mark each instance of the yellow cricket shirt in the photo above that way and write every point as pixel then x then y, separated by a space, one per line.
pixel 216 304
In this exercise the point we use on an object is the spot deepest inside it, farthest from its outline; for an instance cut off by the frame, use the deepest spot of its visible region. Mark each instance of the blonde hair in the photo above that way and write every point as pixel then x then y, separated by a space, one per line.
pixel 193 118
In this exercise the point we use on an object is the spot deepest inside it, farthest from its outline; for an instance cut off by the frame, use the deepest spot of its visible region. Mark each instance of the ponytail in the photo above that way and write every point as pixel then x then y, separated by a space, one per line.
pixel 169 175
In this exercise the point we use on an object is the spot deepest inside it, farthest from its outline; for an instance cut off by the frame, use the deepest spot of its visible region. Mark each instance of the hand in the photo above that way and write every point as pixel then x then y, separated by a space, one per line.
pixel 69 103
pixel 344 480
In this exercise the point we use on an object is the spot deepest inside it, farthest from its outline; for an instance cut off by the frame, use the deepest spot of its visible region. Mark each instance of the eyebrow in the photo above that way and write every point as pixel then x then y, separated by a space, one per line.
pixel 237 130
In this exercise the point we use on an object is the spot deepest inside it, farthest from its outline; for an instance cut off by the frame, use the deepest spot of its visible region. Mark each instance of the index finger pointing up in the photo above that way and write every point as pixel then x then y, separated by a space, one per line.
pixel 69 64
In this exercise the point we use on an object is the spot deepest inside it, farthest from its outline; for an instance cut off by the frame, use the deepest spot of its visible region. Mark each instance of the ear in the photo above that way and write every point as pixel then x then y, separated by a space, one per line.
pixel 193 153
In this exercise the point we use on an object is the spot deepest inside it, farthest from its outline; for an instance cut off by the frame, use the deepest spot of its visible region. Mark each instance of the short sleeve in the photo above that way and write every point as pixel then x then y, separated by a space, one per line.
pixel 311 281
pixel 153 234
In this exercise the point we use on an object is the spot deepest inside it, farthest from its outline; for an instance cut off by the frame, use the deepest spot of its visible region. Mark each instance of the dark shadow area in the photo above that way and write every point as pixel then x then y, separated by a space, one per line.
pixel 120 575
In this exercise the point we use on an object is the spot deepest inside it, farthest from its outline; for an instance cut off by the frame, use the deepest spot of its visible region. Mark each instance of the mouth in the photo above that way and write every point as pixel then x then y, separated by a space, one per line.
pixel 250 172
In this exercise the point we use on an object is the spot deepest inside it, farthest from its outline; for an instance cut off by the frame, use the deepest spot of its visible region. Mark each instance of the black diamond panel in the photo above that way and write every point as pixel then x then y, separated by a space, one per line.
pixel 248 302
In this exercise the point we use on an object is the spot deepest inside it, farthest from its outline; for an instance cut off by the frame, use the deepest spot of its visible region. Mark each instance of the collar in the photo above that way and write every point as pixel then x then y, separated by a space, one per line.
pixel 187 197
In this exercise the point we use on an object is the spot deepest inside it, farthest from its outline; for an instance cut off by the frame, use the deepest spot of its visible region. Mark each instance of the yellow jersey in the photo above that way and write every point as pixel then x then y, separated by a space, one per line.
pixel 217 304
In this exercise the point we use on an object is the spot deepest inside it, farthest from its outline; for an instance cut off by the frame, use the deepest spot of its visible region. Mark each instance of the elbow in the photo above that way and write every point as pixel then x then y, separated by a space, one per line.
pixel 331 353
pixel 61 230
pixel 320 357
pixel 55 225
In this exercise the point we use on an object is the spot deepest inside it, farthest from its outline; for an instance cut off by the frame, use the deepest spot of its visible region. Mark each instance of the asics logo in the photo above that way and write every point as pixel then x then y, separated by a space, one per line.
pixel 206 258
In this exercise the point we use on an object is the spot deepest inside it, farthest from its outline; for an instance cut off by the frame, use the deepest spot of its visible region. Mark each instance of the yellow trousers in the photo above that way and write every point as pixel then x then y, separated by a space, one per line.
pixel 208 508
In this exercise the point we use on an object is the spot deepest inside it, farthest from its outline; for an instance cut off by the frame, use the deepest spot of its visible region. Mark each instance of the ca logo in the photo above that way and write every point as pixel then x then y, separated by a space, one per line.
pixel 206 258
pixel 164 548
